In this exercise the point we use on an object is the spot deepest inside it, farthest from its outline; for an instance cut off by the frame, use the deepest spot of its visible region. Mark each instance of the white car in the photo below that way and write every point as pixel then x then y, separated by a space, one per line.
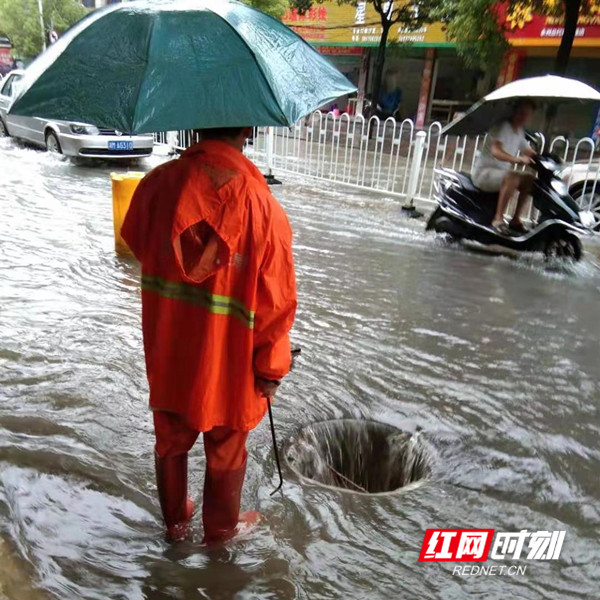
pixel 64 137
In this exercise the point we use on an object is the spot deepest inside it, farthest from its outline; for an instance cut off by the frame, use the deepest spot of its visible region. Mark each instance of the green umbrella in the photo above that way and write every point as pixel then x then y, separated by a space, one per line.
pixel 161 65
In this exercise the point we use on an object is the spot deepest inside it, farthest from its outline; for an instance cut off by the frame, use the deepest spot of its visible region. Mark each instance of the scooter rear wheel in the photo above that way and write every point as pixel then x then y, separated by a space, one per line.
pixel 567 246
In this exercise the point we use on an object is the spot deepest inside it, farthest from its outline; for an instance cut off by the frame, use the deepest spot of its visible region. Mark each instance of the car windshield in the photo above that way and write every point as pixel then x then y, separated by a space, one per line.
pixel 9 85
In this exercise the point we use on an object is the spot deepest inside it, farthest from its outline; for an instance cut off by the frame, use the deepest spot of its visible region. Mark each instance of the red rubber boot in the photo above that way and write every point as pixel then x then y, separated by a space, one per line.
pixel 221 506
pixel 177 508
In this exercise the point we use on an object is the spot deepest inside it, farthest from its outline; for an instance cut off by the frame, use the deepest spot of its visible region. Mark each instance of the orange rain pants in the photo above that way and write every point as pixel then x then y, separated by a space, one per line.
pixel 225 469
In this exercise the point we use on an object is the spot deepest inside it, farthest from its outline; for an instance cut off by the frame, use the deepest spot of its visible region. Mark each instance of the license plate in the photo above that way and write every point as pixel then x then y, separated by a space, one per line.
pixel 120 145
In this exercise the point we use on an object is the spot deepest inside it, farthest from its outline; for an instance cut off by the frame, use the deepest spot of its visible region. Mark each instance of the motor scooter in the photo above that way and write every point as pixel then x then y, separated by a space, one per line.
pixel 464 212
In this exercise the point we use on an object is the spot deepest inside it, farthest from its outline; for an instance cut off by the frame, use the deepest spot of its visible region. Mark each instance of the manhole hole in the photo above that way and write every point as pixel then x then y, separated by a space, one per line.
pixel 360 456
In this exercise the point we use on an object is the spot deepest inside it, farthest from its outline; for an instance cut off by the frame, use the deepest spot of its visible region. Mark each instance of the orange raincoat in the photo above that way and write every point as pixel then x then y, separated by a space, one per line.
pixel 218 285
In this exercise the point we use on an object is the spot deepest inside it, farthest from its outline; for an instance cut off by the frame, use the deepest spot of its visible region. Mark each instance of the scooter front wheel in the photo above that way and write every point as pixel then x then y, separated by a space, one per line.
pixel 566 246
pixel 451 238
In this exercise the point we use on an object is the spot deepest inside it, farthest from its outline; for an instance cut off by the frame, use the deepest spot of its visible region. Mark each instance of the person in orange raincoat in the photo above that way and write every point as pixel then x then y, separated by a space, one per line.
pixel 218 301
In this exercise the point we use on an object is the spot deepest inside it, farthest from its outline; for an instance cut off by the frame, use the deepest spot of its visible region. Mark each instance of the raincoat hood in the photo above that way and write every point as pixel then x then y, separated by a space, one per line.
pixel 209 218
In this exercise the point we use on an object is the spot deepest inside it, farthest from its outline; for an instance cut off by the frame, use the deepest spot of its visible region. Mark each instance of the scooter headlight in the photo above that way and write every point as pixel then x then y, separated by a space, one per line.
pixel 587 218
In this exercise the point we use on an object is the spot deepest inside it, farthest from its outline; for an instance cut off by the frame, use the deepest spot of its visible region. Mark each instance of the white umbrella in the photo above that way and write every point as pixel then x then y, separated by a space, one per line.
pixel 499 104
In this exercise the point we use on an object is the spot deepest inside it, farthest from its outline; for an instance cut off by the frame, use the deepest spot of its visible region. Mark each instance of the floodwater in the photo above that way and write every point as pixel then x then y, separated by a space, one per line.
pixel 495 360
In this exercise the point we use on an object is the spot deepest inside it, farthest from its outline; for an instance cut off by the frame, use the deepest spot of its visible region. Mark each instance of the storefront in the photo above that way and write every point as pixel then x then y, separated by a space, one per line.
pixel 328 27
pixel 349 61
pixel 7 61
pixel 421 66
pixel 535 40
pixel 425 80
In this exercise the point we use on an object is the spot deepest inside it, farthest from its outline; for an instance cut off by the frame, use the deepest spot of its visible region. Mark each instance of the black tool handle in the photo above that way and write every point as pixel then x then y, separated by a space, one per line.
pixel 275 448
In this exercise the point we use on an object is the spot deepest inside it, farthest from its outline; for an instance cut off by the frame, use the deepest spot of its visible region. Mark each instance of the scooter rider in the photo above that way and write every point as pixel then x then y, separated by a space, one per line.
pixel 493 173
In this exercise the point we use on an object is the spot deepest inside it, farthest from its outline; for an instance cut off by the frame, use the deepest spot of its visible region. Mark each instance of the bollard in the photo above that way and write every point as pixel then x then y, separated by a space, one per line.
pixel 271 180
pixel 172 142
pixel 270 147
pixel 413 178
pixel 123 187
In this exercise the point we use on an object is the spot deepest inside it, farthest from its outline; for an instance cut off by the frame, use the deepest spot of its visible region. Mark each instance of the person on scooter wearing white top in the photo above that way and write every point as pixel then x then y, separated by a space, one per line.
pixel 505 146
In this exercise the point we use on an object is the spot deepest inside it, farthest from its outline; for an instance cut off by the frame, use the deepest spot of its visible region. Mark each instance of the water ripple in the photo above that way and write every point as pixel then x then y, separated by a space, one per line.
pixel 495 359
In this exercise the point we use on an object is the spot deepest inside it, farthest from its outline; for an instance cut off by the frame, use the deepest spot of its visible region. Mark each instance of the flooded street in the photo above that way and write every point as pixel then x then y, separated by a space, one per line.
pixel 496 361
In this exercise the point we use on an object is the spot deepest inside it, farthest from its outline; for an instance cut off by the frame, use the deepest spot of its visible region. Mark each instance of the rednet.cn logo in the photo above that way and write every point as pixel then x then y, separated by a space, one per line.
pixel 477 545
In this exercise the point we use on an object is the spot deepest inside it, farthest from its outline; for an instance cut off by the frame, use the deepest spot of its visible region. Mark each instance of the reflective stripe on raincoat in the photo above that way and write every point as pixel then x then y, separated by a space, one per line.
pixel 218 286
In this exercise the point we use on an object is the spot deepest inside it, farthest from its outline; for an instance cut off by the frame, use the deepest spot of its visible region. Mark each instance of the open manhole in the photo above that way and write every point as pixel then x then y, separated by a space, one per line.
pixel 360 456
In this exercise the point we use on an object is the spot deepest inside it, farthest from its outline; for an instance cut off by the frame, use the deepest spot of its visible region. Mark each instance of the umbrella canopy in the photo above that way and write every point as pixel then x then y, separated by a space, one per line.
pixel 499 104
pixel 161 65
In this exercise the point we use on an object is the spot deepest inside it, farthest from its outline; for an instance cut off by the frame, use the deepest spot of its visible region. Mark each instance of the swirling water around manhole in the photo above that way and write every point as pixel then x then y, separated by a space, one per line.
pixel 361 456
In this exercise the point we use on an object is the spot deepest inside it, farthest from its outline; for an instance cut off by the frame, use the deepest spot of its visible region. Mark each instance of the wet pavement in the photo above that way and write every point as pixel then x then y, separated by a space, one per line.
pixel 495 359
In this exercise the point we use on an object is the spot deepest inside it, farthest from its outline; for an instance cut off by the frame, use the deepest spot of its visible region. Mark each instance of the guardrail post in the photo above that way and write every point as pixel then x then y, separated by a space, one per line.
pixel 271 180
pixel 413 177
pixel 172 142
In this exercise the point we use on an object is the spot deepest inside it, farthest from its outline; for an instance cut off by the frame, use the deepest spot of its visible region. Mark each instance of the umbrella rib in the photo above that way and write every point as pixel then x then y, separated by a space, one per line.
pixel 298 37
pixel 143 78
pixel 282 114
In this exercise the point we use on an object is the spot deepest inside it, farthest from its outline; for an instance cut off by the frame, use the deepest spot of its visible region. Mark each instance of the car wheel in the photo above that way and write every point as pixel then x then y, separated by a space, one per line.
pixel 567 246
pixel 52 143
pixel 3 129
pixel 588 198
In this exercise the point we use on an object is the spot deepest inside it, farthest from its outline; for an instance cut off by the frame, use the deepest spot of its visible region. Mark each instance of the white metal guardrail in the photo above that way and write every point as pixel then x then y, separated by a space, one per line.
pixel 389 156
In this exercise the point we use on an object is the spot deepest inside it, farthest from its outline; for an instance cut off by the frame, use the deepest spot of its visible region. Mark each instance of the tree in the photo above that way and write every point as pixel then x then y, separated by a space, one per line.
pixel 275 8
pixel 479 29
pixel 572 9
pixel 21 22
pixel 410 15
pixel 475 27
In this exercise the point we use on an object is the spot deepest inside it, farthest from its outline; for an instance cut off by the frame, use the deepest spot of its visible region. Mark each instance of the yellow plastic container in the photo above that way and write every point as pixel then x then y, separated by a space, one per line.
pixel 123 187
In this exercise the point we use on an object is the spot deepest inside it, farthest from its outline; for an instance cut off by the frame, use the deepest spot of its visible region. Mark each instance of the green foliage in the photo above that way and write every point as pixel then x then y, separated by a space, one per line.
pixel 475 27
pixel 302 6
pixel 275 8
pixel 478 31
pixel 19 19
